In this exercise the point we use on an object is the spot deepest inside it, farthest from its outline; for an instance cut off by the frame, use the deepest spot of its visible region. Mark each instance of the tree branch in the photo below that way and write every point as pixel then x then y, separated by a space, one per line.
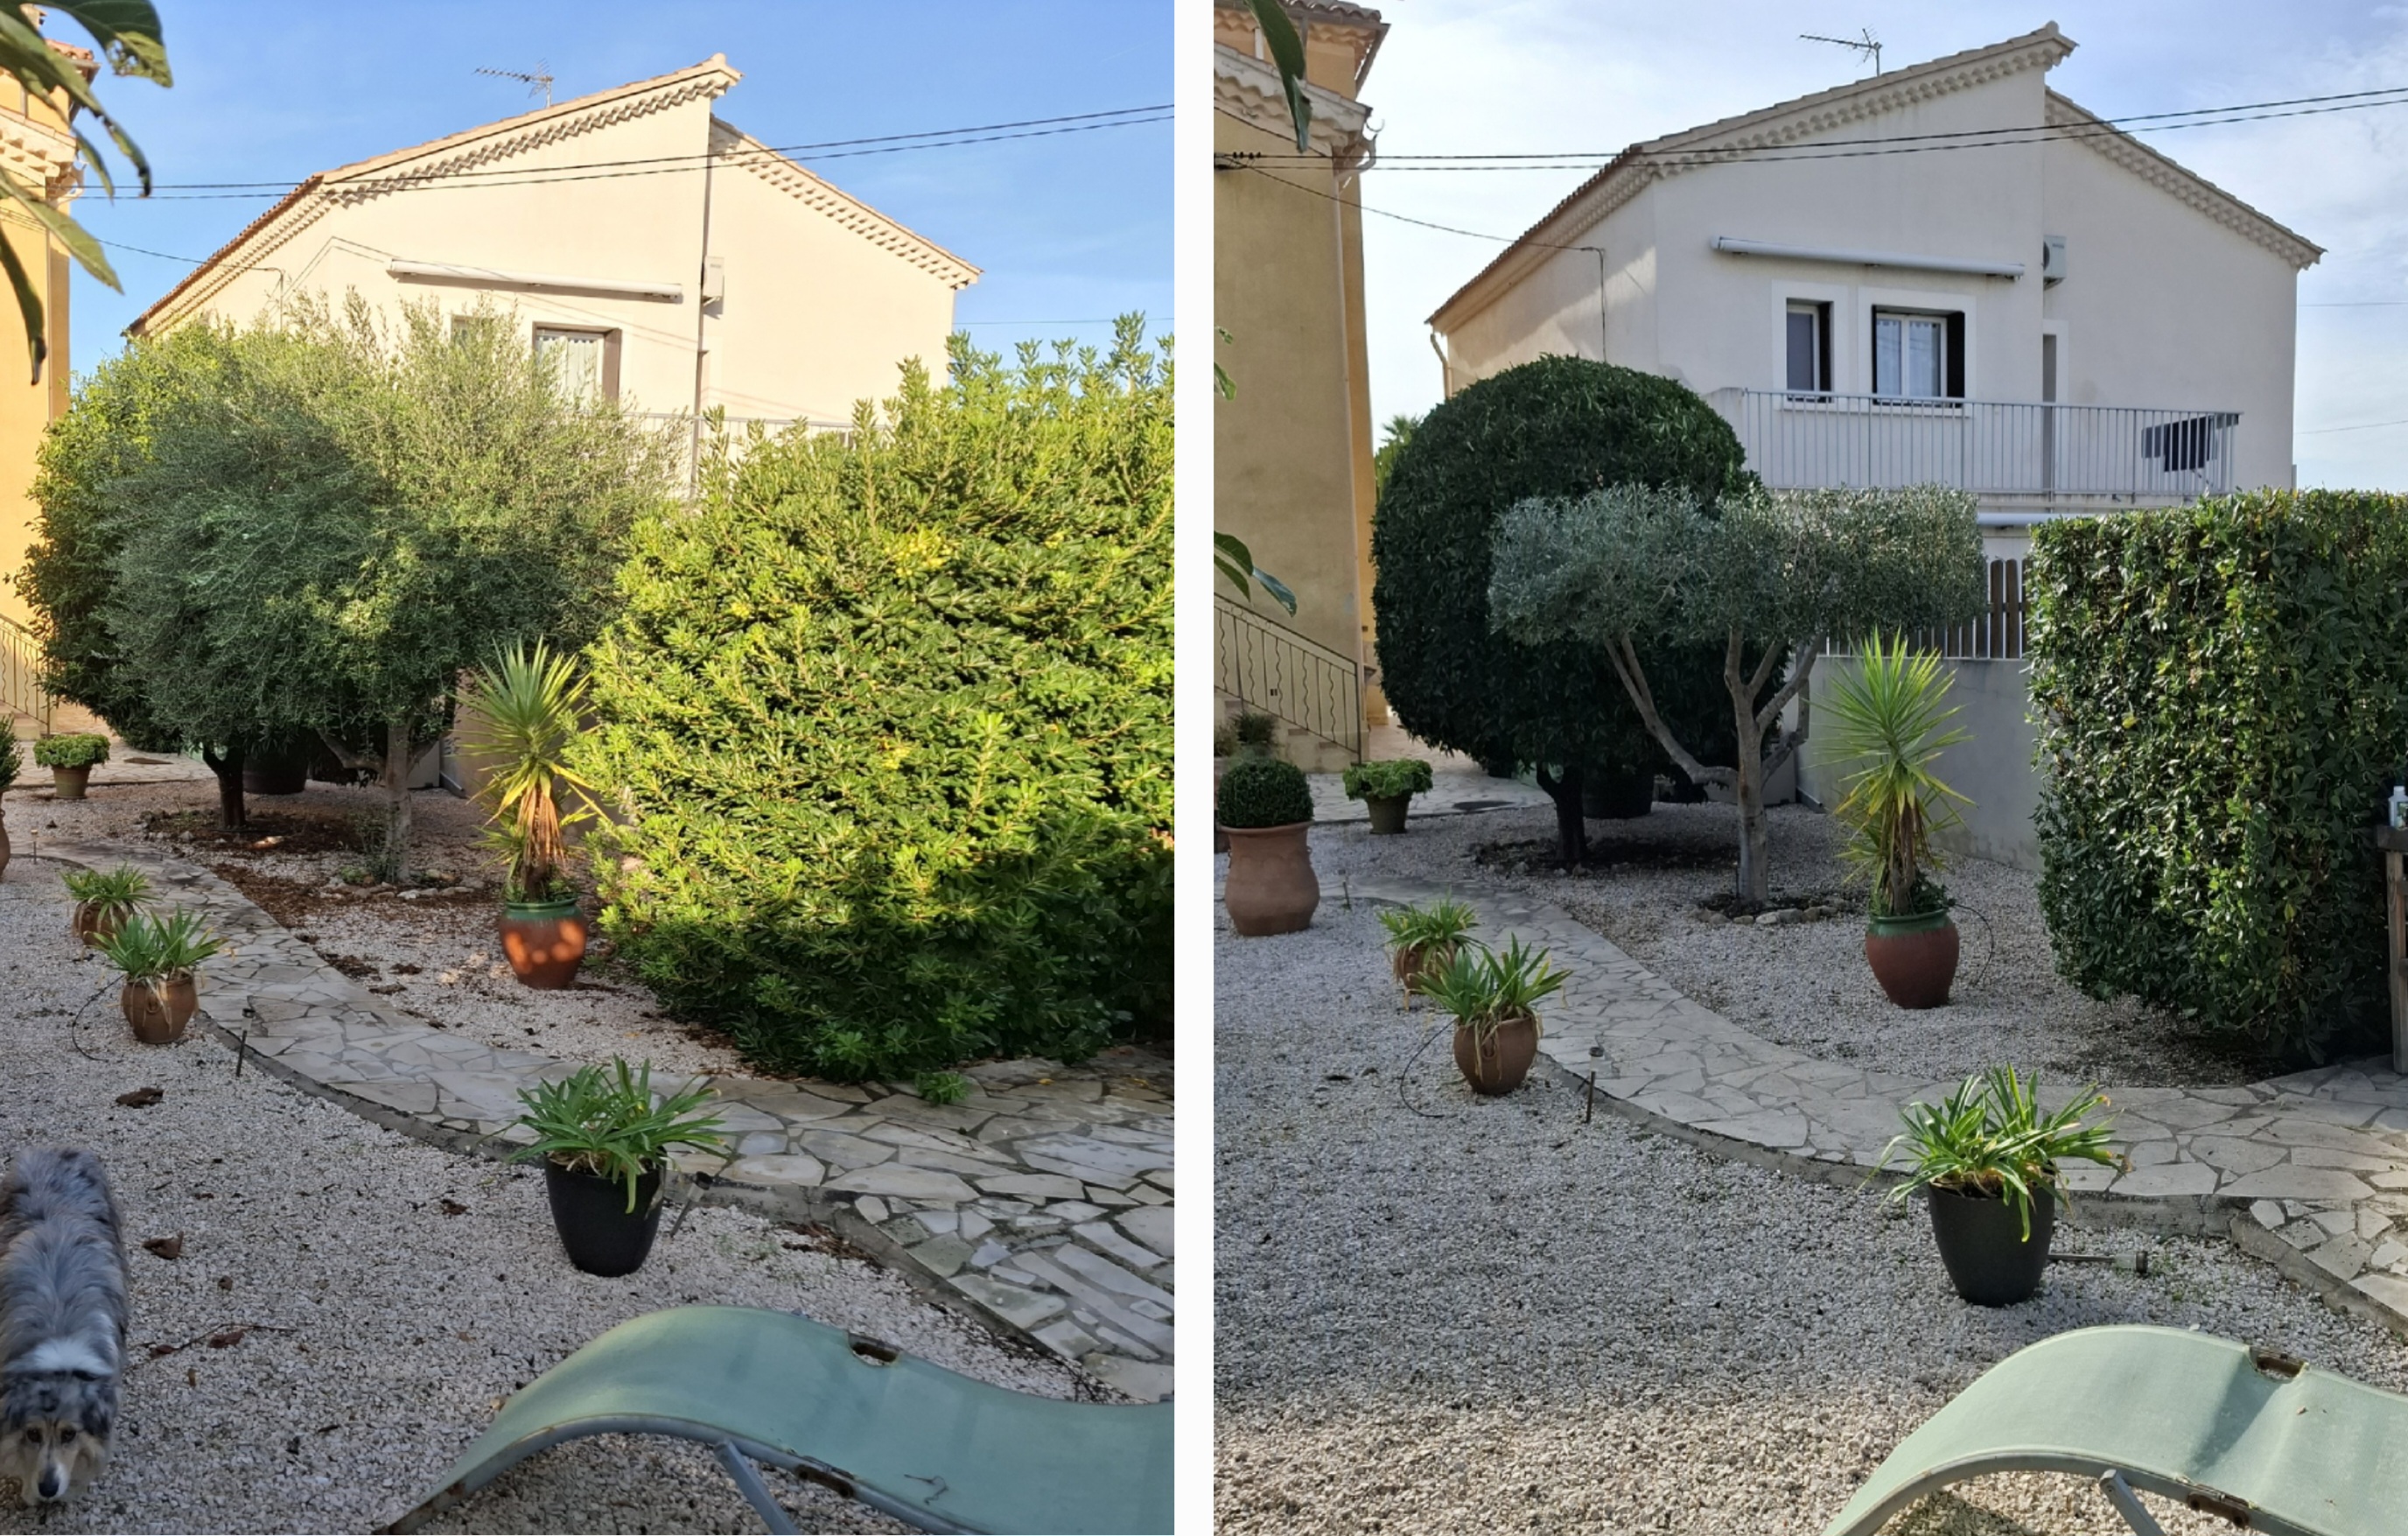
pixel 1808 648
pixel 357 762
pixel 1634 683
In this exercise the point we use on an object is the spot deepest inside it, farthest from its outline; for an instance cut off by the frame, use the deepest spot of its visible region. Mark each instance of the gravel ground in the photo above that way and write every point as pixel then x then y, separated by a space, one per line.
pixel 381 1329
pixel 1806 984
pixel 1488 1315
pixel 433 953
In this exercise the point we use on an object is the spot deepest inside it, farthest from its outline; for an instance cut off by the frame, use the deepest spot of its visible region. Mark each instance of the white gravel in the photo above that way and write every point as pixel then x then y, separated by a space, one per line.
pixel 1806 984
pixel 1492 1317
pixel 406 1324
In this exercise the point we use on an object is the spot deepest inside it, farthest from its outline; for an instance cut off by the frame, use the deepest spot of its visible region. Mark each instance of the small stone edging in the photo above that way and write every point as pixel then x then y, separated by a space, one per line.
pixel 1070 1207
pixel 2307 1171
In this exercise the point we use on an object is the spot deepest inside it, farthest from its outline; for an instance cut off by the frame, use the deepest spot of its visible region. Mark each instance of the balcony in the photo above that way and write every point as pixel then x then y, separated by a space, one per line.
pixel 2024 461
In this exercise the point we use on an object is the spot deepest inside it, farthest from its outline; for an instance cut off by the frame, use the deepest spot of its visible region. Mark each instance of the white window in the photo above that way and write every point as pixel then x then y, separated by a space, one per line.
pixel 1915 355
pixel 1810 347
pixel 582 361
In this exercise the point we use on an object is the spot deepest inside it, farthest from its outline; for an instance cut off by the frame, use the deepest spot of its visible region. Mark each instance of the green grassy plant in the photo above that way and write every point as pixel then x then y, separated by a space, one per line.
pixel 606 1122
pixel 1988 1138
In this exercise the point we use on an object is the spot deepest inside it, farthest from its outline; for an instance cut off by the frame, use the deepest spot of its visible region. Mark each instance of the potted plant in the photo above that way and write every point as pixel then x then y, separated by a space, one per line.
pixel 1888 719
pixel 10 761
pixel 529 704
pixel 1986 1159
pixel 1258 733
pixel 277 766
pixel 1266 807
pixel 158 957
pixel 605 1146
pixel 70 759
pixel 1424 941
pixel 1386 789
pixel 1609 793
pixel 105 899
pixel 1493 998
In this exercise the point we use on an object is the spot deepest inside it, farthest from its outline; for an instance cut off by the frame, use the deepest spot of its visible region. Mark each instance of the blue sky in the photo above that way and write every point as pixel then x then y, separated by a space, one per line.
pixel 1070 229
pixel 1458 74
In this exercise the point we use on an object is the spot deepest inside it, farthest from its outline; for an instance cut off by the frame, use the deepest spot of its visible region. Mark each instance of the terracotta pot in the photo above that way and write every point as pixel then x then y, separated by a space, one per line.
pixel 93 922
pixel 601 1235
pixel 159 1016
pixel 1981 1241
pixel 1220 833
pixel 545 942
pixel 1272 888
pixel 1914 958
pixel 1387 812
pixel 4 846
pixel 1498 1064
pixel 1414 962
pixel 68 783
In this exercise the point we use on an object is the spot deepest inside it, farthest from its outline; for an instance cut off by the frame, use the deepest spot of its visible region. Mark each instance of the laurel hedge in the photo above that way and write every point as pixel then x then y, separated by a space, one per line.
pixel 2221 697
pixel 887 717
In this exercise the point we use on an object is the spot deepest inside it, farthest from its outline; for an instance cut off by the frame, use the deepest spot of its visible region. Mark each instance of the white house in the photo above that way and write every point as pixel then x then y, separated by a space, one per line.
pixel 1943 273
pixel 672 259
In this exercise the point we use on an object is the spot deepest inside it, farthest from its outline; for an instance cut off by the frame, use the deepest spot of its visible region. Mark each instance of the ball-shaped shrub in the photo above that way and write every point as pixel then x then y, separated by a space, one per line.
pixel 78 749
pixel 887 717
pixel 1263 792
pixel 1558 426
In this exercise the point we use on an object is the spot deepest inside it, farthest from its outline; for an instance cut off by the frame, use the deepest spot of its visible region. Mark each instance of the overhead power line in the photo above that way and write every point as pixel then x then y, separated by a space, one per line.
pixel 933 138
pixel 1845 148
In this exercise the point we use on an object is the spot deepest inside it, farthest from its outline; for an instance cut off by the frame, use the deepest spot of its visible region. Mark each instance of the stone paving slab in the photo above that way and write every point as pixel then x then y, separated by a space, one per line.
pixel 2318 1160
pixel 1045 1196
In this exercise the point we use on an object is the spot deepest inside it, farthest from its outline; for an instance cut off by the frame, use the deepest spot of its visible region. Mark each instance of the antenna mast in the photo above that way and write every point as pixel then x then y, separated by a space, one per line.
pixel 1867 45
pixel 537 80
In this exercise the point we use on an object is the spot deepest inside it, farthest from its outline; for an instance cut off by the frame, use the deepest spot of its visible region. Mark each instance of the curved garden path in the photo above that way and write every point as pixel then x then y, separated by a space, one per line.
pixel 2308 1170
pixel 1043 1199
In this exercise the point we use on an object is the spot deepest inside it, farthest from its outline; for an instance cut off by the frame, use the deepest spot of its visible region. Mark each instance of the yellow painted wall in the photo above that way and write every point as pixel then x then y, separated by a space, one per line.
pixel 27 406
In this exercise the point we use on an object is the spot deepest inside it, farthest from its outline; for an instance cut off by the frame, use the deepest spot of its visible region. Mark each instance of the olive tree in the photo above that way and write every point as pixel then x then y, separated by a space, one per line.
pixel 1787 571
pixel 356 510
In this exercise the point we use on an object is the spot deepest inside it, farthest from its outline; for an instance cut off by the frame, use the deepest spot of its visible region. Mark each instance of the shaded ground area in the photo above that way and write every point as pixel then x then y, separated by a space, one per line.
pixel 348 1305
pixel 1438 1314
pixel 1659 887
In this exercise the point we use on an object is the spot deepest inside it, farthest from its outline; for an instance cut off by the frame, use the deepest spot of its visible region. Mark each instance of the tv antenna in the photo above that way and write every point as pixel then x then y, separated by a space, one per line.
pixel 537 80
pixel 1867 45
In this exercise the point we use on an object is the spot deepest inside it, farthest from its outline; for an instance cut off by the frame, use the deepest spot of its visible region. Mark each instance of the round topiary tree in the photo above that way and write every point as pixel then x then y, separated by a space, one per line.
pixel 1561 426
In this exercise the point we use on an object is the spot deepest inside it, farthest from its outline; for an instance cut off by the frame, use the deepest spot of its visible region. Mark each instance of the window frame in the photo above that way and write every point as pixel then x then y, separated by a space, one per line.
pixel 1819 312
pixel 608 381
pixel 1952 326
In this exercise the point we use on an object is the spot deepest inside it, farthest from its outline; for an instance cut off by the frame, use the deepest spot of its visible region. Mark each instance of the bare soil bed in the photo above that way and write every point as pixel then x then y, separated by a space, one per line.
pixel 1659 887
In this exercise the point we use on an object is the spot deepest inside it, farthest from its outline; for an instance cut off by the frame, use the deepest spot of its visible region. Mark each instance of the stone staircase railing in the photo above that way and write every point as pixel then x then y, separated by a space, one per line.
pixel 21 675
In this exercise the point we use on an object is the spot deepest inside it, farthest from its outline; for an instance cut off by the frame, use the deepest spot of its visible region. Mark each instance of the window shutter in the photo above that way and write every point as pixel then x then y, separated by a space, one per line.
pixel 1957 356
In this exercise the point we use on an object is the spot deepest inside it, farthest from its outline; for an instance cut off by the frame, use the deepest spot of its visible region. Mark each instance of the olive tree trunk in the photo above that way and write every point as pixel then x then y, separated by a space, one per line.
pixel 234 813
pixel 1572 828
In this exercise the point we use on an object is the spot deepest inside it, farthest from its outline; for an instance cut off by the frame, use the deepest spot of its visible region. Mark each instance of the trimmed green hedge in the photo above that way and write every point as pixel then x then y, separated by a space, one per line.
pixel 1262 792
pixel 891 720
pixel 2221 695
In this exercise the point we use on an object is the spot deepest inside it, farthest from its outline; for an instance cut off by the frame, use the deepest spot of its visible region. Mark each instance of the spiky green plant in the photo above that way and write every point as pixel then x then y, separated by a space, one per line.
pixel 155 952
pixel 1483 988
pixel 606 1122
pixel 1423 941
pixel 109 893
pixel 532 704
pixel 1888 719
pixel 11 759
pixel 1988 1138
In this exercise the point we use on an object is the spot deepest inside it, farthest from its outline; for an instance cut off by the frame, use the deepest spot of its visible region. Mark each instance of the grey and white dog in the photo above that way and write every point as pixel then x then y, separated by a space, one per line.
pixel 62 1321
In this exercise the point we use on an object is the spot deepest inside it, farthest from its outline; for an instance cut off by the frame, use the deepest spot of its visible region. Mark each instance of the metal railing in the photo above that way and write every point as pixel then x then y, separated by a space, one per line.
pixel 21 675
pixel 2129 453
pixel 1270 667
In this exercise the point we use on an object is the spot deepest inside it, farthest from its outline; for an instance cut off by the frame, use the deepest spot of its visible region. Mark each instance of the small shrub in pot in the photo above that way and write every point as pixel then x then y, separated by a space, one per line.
pixel 605 1142
pixel 10 762
pixel 1266 806
pixel 70 759
pixel 1386 788
pixel 1256 733
pixel 1423 941
pixel 105 898
pixel 157 957
pixel 1494 997
pixel 1987 1158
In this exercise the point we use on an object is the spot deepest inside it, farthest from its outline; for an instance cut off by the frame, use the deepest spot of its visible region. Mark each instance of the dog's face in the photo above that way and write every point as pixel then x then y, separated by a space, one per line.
pixel 54 1433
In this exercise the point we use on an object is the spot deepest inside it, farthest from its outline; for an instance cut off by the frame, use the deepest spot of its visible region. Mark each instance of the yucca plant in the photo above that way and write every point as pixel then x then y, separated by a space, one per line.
pixel 156 952
pixel 1888 720
pixel 1424 941
pixel 1485 988
pixel 604 1122
pixel 109 893
pixel 532 702
pixel 1988 1138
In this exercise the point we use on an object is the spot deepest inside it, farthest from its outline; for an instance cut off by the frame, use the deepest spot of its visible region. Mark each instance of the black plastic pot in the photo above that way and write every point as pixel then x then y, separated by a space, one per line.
pixel 596 1227
pixel 1617 796
pixel 1981 1241
pixel 1387 812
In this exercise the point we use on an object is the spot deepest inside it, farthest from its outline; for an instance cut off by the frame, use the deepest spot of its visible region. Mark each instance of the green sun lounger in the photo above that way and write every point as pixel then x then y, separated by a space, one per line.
pixel 2253 1435
pixel 936 1450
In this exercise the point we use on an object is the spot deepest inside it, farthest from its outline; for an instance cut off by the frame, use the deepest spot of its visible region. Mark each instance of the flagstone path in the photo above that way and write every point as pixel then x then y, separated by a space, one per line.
pixel 1044 1197
pixel 2318 1160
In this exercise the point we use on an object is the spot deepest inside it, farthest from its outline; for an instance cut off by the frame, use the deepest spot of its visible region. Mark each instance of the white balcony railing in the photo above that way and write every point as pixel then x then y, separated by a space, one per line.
pixel 2131 454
